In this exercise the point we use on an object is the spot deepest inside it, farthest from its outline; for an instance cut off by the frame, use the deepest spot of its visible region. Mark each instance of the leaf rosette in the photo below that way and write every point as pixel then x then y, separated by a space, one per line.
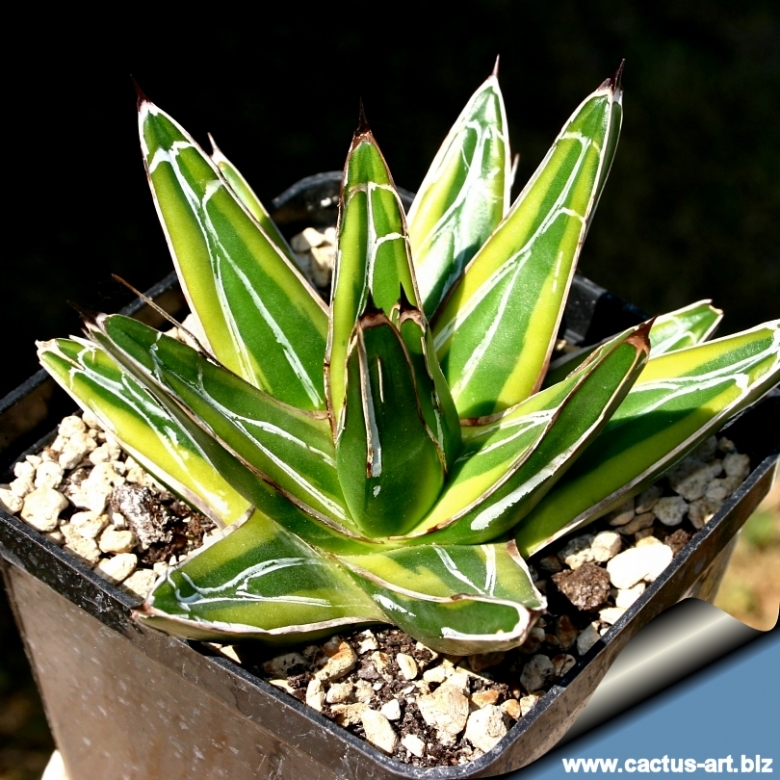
pixel 395 455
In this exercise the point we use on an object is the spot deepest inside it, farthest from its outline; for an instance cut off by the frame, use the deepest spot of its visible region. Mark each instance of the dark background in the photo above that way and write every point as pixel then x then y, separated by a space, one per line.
pixel 692 208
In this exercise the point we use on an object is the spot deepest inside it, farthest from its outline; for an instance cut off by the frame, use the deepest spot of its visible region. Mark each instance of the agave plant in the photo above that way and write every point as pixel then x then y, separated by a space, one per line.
pixel 396 455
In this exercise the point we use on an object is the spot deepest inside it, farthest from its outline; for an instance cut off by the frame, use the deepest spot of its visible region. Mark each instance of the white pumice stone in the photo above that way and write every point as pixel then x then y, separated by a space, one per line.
pixel 536 673
pixel 41 508
pixel 639 563
pixel 9 501
pixel 364 691
pixel 670 510
pixel 112 540
pixel 458 680
pixel 348 714
pixel 645 501
pixel 48 474
pixel 627 596
pixel 736 465
pixel 71 425
pixel 308 238
pixel 117 568
pixel 622 514
pixel 339 692
pixel 315 695
pixel 414 745
pixel 611 615
pixel 577 551
pixel 140 582
pixel 486 727
pixel 86 549
pixel 407 665
pixel 378 730
pixel 587 638
pixel 435 674
pixel 446 709
pixel 391 709
pixel 342 659
pixel 73 450
pixel 22 486
pixel 89 525
pixel 367 642
pixel 24 469
pixel 94 491
pixel 707 449
pixel 726 446
pixel 323 258
pixel 606 545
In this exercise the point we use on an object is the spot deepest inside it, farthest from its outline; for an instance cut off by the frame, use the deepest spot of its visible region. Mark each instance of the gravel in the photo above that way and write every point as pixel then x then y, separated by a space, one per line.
pixel 421 707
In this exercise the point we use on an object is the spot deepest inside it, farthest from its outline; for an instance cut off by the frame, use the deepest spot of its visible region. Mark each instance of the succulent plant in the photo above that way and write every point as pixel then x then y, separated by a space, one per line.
pixel 396 455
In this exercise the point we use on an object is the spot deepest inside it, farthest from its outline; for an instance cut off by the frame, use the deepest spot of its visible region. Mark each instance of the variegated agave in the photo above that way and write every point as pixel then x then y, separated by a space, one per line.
pixel 394 456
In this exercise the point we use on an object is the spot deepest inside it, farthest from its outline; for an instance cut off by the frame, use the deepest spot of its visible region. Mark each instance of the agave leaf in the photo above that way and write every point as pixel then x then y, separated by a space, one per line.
pixel 153 436
pixel 512 463
pixel 289 448
pixel 464 195
pixel 679 399
pixel 259 581
pixel 249 199
pixel 678 329
pixel 455 599
pixel 373 258
pixel 261 318
pixel 495 331
pixel 388 460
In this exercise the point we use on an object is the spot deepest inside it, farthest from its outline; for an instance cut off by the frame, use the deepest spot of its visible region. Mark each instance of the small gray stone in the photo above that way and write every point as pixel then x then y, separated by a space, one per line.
pixel 536 636
pixel 117 568
pixel 670 510
pixel 587 638
pixel 645 501
pixel 446 709
pixel 706 450
pixel 577 551
pixel 486 727
pixel 42 508
pixel 639 563
pixel 536 673
pixel 702 511
pixel 736 465
pixel 623 514
pixel 726 445
pixel 639 523
pixel 284 665
pixel 690 477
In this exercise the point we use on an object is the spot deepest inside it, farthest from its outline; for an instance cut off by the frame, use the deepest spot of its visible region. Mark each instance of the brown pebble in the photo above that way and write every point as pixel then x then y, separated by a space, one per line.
pixel 587 587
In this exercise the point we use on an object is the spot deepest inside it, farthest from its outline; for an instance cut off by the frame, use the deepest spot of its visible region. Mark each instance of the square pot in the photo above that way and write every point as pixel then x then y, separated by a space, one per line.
pixel 124 700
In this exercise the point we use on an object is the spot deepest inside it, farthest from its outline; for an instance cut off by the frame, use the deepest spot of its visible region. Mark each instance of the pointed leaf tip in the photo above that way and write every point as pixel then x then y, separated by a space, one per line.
pixel 495 67
pixel 363 126
pixel 616 82
pixel 140 95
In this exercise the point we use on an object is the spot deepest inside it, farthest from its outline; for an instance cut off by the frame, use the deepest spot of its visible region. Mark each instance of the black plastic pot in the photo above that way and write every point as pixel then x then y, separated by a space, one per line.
pixel 126 701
